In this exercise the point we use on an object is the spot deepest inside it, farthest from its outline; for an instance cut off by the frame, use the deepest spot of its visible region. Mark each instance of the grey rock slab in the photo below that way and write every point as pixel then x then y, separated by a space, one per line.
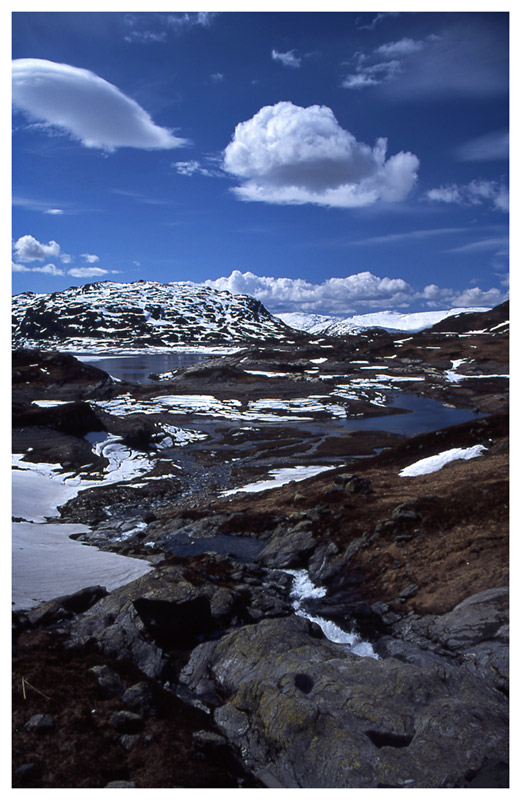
pixel 315 715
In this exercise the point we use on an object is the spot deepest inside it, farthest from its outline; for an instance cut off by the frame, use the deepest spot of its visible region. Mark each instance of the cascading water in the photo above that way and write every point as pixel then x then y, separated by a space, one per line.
pixel 302 589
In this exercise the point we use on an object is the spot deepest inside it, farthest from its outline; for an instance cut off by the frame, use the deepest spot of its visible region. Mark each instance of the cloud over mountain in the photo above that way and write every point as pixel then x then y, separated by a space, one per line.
pixel 286 154
pixel 87 107
pixel 342 296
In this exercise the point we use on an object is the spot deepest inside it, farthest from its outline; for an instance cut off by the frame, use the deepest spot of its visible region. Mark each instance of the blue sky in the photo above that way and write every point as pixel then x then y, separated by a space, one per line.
pixel 334 163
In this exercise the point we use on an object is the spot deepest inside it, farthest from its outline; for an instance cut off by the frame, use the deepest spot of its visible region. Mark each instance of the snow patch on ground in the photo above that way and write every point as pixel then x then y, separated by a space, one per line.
pixel 47 563
pixel 434 463
pixel 40 488
pixel 279 477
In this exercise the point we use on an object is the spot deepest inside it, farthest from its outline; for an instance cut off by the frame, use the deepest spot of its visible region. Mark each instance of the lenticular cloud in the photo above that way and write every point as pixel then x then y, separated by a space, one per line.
pixel 289 154
pixel 86 106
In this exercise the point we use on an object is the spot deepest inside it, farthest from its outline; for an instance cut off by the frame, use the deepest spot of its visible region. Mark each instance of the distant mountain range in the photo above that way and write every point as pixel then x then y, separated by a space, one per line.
pixel 108 316
pixel 388 320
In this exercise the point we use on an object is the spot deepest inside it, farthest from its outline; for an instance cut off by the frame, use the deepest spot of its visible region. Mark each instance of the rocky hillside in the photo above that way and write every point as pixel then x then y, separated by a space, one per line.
pixel 108 316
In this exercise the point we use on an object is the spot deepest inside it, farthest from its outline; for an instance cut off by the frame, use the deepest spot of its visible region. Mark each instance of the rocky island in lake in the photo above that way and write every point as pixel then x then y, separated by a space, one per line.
pixel 285 565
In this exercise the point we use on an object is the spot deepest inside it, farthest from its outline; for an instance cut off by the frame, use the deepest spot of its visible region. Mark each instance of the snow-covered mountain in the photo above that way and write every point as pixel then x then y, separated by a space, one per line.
pixel 388 320
pixel 144 315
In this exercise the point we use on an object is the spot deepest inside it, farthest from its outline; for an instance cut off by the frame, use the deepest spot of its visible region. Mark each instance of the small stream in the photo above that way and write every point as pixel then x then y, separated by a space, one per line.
pixel 302 589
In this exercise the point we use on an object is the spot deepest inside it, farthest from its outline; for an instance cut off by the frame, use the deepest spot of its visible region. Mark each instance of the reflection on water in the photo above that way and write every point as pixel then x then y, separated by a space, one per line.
pixel 424 415
pixel 137 368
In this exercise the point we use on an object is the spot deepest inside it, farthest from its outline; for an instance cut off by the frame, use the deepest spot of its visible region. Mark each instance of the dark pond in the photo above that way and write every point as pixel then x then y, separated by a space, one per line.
pixel 242 548
pixel 137 368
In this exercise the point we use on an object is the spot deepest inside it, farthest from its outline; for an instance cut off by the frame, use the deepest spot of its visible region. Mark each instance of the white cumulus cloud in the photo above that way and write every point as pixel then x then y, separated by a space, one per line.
pixel 87 107
pixel 294 155
pixel 341 297
pixel 468 298
pixel 333 296
pixel 27 248
pixel 90 258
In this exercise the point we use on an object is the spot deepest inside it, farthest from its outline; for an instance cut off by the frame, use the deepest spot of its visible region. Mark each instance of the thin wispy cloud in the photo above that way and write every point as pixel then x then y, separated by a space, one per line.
pixel 426 233
pixel 286 154
pixel 151 28
pixel 476 193
pixel 140 198
pixel 190 20
pixel 37 205
pixel 491 147
pixel 288 59
pixel 86 107
pixel 404 47
pixel 464 60
pixel 379 18
pixel 189 168
pixel 498 244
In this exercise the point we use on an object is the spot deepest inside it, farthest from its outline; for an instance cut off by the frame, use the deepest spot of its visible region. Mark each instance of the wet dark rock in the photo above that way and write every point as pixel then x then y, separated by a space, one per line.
pixel 59 376
pixel 355 484
pixel 409 591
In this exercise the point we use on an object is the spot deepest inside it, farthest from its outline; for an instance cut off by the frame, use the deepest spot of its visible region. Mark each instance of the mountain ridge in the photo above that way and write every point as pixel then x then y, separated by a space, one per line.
pixel 143 314
pixel 391 321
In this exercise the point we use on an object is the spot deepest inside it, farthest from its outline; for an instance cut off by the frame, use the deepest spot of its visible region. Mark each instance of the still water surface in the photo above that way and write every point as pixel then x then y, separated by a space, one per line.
pixel 424 414
pixel 137 368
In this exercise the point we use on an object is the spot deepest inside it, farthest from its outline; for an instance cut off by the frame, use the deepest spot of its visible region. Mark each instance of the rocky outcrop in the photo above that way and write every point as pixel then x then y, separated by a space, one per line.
pixel 175 607
pixel 475 635
pixel 310 714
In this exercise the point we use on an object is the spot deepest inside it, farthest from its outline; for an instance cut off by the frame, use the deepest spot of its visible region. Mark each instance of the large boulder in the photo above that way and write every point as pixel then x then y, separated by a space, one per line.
pixel 308 713
pixel 177 606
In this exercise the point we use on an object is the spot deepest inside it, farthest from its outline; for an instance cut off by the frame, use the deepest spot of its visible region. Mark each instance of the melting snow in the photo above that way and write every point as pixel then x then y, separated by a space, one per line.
pixel 279 478
pixel 435 463
pixel 47 563
pixel 39 488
